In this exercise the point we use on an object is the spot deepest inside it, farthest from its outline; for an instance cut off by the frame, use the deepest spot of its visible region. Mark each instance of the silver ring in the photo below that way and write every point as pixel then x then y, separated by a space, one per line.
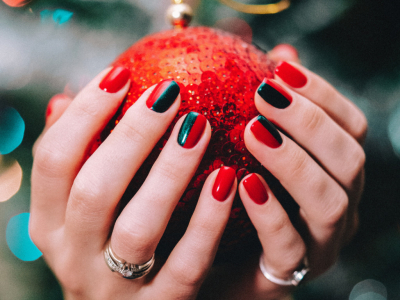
pixel 295 279
pixel 127 270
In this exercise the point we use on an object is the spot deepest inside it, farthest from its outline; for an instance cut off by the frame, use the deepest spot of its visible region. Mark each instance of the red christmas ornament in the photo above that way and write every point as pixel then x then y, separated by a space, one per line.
pixel 218 74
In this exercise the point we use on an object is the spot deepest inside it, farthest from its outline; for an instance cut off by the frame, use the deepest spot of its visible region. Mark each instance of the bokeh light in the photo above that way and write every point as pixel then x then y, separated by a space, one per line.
pixel 12 128
pixel 368 290
pixel 10 178
pixel 394 130
pixel 59 16
pixel 16 3
pixel 236 26
pixel 18 239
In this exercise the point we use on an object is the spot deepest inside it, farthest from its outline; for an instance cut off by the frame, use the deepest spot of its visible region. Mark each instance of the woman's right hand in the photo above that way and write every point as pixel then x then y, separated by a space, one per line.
pixel 74 201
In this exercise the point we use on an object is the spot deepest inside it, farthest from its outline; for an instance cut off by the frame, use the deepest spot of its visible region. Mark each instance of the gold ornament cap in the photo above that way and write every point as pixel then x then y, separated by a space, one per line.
pixel 179 14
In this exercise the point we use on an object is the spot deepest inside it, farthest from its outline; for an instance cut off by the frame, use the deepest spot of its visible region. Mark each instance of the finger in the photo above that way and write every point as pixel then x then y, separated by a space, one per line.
pixel 283 247
pixel 60 154
pixel 316 89
pixel 141 224
pixel 284 52
pixel 311 127
pixel 56 107
pixel 105 176
pixel 323 202
pixel 189 262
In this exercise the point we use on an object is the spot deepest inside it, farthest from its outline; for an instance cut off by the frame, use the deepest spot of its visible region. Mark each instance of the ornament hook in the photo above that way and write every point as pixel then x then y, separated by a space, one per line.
pixel 261 9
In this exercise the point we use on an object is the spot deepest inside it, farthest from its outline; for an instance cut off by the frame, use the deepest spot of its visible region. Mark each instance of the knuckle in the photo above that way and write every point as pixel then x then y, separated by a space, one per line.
pixel 89 109
pixel 361 128
pixel 131 132
pixel 50 161
pixel 276 225
pixel 206 229
pixel 313 118
pixel 186 274
pixel 336 211
pixel 167 169
pixel 85 192
pixel 298 162
pixel 133 238
pixel 355 165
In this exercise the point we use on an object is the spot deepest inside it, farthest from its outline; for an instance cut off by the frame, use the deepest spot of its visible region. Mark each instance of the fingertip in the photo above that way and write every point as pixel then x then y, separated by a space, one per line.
pixel 283 52
pixel 116 79
pixel 224 184
pixel 56 107
pixel 254 188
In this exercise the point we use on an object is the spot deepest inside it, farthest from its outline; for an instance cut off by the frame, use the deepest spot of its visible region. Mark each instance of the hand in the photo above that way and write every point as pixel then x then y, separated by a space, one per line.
pixel 74 202
pixel 321 166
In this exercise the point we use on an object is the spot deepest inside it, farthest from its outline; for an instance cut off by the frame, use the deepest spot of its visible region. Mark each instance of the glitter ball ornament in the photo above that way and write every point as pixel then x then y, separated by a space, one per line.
pixel 218 74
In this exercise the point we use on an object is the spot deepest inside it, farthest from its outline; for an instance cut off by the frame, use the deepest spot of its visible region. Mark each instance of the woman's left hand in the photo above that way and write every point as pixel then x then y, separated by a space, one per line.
pixel 321 165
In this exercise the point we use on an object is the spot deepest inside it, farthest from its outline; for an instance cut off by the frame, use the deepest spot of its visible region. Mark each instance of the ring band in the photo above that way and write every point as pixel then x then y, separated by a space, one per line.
pixel 127 270
pixel 295 279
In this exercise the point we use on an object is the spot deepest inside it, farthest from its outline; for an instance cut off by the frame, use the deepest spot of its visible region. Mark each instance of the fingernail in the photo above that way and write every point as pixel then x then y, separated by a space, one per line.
pixel 290 75
pixel 223 183
pixel 274 94
pixel 50 105
pixel 265 132
pixel 49 108
pixel 163 95
pixel 255 189
pixel 115 80
pixel 191 130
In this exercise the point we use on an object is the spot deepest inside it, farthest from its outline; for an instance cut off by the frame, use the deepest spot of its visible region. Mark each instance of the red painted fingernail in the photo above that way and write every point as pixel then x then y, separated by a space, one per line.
pixel 255 189
pixel 115 80
pixel 290 75
pixel 50 105
pixel 191 130
pixel 265 132
pixel 223 183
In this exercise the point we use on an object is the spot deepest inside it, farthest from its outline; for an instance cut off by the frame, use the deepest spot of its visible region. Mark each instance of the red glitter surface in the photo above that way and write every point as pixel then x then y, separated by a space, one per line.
pixel 218 74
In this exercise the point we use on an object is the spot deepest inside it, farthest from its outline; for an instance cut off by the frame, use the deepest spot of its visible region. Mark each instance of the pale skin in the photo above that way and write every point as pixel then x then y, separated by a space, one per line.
pixel 74 201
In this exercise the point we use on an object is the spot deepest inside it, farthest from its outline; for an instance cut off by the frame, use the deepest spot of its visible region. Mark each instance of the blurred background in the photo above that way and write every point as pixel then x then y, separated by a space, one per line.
pixel 51 46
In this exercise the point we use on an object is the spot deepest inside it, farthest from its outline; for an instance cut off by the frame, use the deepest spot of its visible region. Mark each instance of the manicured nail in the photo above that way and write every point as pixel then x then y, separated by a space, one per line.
pixel 265 132
pixel 115 80
pixel 274 94
pixel 163 95
pixel 191 130
pixel 223 183
pixel 290 75
pixel 255 189
pixel 50 105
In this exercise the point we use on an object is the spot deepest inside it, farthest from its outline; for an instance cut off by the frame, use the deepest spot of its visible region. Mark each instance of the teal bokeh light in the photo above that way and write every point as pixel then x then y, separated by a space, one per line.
pixel 368 289
pixel 58 16
pixel 12 129
pixel 394 130
pixel 18 239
